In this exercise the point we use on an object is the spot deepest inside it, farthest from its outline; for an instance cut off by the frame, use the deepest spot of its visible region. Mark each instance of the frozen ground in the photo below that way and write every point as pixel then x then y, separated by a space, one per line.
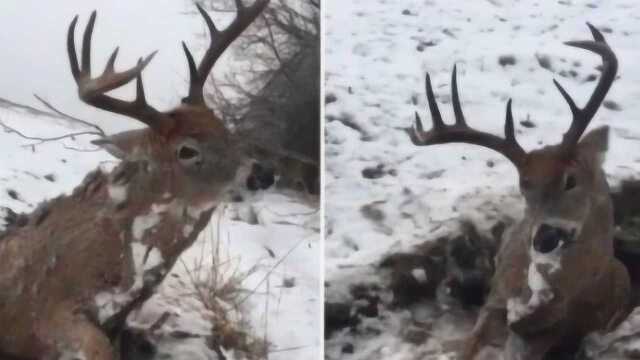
pixel 270 242
pixel 377 53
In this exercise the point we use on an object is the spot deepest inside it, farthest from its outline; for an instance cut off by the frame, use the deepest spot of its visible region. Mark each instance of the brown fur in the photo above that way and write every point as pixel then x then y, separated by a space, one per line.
pixel 591 290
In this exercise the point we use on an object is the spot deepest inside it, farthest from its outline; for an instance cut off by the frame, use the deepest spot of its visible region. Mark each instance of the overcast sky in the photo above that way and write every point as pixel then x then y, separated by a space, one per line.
pixel 34 58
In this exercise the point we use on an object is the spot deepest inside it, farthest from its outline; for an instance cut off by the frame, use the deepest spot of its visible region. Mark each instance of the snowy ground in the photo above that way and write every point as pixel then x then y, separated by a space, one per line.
pixel 377 53
pixel 270 242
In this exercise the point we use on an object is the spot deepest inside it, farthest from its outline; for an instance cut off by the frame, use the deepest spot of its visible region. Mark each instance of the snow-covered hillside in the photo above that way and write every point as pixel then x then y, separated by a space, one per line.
pixel 268 246
pixel 385 195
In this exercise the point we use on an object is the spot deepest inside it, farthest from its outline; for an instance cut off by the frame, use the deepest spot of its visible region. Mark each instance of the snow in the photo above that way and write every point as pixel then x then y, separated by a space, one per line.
pixel 376 60
pixel 117 193
pixel 288 225
pixel 420 275
pixel 541 292
pixel 142 223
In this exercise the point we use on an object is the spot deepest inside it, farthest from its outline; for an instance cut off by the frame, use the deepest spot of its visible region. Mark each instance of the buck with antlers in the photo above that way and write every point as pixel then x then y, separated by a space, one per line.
pixel 556 276
pixel 83 258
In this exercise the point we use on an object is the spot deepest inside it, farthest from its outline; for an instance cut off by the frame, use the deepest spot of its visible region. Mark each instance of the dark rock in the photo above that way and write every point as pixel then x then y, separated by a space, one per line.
pixel 373 172
pixel 408 288
pixel 369 308
pixel 406 12
pixel 611 105
pixel 348 348
pixel 490 163
pixel 528 123
pixel 433 174
pixel 337 316
pixel 505 60
pixel 289 282
pixel 134 345
pixel 260 178
pixel 50 177
pixel 544 61
pixel 330 98
pixel 469 266
pixel 591 77
pixel 13 194
pixel 372 212
pixel 13 219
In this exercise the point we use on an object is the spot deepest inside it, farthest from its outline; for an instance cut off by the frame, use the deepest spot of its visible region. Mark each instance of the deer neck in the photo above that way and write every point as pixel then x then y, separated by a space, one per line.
pixel 149 202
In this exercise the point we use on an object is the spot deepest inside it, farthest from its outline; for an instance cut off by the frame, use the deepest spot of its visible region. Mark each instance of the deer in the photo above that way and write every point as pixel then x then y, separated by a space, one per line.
pixel 81 262
pixel 556 276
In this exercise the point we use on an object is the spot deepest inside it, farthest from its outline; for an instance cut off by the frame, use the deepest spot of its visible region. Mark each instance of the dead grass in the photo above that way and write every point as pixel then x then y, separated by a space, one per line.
pixel 216 282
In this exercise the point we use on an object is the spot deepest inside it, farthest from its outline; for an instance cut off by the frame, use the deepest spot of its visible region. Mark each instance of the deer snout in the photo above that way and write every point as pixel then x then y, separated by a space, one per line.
pixel 549 237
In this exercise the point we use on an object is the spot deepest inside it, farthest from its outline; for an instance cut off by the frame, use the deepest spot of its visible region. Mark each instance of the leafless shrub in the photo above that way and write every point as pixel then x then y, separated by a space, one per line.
pixel 274 100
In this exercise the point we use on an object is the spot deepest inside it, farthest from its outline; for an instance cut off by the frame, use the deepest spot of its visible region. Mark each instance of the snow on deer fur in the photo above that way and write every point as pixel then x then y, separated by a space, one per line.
pixel 118 193
pixel 541 292
pixel 110 302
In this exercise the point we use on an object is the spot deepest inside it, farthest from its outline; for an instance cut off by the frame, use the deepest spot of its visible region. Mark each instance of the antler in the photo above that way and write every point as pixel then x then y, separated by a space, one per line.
pixel 220 40
pixel 461 132
pixel 92 90
pixel 582 117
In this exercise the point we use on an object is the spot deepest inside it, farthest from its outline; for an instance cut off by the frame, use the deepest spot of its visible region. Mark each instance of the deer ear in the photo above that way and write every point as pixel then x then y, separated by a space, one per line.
pixel 122 145
pixel 595 143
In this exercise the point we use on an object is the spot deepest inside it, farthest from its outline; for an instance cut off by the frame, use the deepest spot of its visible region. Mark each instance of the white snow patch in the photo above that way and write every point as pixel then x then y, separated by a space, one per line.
pixel 541 292
pixel 117 193
pixel 187 230
pixel 194 211
pixel 111 301
pixel 420 275
pixel 142 223
pixel 3 221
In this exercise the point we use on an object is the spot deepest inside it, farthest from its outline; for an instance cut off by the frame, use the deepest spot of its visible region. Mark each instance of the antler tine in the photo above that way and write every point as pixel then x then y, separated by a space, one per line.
pixel 460 132
pixel 92 90
pixel 583 116
pixel 220 40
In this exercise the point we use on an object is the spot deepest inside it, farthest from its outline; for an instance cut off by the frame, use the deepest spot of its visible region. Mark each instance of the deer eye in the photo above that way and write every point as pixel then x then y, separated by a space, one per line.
pixel 187 152
pixel 570 182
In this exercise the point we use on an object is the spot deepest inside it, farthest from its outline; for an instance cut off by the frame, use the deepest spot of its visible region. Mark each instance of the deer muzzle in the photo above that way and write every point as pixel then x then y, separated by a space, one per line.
pixel 549 237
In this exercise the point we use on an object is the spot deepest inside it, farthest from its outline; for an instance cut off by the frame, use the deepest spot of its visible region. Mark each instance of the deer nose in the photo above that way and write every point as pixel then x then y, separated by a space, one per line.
pixel 549 237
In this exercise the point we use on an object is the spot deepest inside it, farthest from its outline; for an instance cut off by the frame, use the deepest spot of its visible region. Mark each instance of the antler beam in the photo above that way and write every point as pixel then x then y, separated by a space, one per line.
pixel 582 117
pixel 460 132
pixel 220 40
pixel 92 90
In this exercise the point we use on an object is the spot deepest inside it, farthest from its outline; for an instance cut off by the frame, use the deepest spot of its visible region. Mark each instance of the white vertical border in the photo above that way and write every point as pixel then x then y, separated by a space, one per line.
pixel 322 182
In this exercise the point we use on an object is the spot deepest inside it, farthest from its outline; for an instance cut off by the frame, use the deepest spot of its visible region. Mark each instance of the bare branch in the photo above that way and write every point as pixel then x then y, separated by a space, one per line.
pixel 41 140
pixel 49 106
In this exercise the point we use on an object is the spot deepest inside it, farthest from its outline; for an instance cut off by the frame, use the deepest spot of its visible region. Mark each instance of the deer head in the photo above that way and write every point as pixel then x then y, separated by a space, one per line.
pixel 563 185
pixel 189 145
